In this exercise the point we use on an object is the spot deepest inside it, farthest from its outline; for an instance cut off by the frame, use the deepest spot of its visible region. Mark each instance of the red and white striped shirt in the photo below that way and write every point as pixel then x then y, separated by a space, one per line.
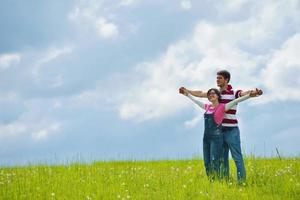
pixel 228 95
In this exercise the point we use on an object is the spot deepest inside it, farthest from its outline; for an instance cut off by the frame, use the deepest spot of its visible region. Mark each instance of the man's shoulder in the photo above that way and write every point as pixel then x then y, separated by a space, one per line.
pixel 230 93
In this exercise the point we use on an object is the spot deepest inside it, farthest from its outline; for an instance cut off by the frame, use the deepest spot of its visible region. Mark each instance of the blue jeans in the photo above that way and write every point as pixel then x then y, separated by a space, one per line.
pixel 212 146
pixel 232 142
pixel 212 153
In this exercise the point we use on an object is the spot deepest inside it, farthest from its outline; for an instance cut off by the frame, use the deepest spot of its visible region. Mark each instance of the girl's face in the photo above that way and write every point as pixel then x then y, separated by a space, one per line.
pixel 212 96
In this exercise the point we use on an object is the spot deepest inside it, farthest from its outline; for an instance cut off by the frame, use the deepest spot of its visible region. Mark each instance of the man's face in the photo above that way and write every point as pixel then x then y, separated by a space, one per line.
pixel 221 81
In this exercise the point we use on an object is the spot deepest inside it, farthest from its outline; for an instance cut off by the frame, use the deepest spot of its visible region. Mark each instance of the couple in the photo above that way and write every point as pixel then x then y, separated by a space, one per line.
pixel 221 132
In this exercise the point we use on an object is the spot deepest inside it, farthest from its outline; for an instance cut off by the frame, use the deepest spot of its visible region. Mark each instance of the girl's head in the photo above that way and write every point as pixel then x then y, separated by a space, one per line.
pixel 213 94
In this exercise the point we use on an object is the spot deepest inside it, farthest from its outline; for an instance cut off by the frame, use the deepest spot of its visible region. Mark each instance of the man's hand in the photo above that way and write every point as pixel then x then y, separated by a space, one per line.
pixel 183 91
pixel 256 92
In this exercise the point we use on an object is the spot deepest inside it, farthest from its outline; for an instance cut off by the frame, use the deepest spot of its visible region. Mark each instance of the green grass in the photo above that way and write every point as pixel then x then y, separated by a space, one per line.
pixel 266 179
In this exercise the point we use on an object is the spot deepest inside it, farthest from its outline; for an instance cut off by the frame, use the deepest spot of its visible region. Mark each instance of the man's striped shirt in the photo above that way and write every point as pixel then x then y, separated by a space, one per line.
pixel 228 95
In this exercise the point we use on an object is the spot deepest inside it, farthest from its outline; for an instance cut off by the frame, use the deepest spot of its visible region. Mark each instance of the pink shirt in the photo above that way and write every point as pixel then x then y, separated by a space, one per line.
pixel 218 111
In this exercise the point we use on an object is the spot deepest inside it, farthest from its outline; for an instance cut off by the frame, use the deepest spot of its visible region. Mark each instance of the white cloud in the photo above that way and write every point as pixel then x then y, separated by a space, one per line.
pixel 282 74
pixel 133 28
pixel 37 130
pixel 57 81
pixel 230 6
pixel 87 16
pixel 50 55
pixel 194 61
pixel 186 5
pixel 191 62
pixel 106 29
pixel 87 98
pixel 57 104
pixel 10 96
pixel 274 19
pixel 45 132
pixel 78 13
pixel 101 96
pixel 127 2
pixel 36 122
pixel 31 124
pixel 156 95
pixel 248 48
pixel 54 53
pixel 12 129
pixel 193 122
pixel 8 60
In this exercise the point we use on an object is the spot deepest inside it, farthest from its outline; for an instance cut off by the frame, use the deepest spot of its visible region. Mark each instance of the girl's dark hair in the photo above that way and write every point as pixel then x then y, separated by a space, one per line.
pixel 225 74
pixel 217 93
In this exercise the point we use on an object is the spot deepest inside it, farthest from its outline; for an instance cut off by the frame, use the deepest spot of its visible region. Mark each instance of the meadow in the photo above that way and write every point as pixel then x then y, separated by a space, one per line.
pixel 165 179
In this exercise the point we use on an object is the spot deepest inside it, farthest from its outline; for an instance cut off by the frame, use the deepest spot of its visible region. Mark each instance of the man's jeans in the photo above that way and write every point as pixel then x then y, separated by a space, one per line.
pixel 232 142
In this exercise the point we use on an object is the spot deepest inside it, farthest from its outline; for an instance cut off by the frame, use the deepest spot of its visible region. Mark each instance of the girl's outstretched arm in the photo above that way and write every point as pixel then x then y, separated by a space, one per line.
pixel 199 103
pixel 232 103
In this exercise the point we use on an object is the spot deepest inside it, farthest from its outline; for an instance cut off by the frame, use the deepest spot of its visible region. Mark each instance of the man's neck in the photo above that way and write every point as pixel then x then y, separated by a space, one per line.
pixel 224 87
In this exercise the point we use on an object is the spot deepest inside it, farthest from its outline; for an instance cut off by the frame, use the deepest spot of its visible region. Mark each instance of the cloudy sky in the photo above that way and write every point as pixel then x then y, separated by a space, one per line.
pixel 98 80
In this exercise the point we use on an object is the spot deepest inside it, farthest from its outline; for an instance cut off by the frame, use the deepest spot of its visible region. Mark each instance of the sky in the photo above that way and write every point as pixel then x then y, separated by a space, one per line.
pixel 84 80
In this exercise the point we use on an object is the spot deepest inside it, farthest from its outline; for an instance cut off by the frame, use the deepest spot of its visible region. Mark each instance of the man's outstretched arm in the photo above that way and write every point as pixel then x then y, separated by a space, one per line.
pixel 256 91
pixel 196 93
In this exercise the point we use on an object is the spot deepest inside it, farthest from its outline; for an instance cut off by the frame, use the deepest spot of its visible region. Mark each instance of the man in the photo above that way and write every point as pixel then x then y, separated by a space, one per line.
pixel 230 127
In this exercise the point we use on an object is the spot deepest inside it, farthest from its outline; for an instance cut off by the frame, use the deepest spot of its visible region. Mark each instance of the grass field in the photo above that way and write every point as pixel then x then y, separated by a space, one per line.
pixel 181 179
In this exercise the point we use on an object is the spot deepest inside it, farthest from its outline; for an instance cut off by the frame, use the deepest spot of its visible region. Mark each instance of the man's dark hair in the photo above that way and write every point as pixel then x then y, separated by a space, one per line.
pixel 225 74
pixel 217 93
